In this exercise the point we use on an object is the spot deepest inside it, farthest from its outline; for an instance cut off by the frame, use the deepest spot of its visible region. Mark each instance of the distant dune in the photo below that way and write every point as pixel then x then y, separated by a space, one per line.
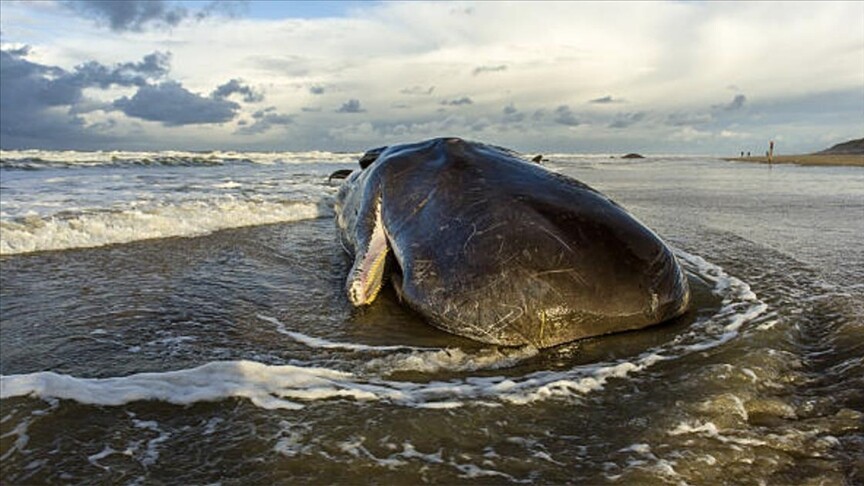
pixel 846 153
pixel 852 147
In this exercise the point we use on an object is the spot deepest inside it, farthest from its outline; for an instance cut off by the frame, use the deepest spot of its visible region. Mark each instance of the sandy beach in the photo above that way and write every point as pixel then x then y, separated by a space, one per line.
pixel 847 160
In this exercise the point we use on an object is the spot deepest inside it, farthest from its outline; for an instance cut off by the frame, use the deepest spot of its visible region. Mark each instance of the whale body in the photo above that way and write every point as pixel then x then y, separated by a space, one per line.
pixel 489 246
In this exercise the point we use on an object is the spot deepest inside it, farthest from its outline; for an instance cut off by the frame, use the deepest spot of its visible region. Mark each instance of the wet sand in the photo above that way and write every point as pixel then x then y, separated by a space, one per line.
pixel 845 160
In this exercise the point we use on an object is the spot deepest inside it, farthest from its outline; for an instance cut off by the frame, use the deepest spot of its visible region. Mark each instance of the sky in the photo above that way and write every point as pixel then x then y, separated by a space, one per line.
pixel 710 78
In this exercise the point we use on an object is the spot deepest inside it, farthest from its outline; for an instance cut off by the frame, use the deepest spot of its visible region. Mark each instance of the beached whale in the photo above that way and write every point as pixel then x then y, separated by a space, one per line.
pixel 486 245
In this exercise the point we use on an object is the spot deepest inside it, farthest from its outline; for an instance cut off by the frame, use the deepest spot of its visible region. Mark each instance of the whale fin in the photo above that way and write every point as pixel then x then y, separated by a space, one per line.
pixel 339 174
pixel 371 156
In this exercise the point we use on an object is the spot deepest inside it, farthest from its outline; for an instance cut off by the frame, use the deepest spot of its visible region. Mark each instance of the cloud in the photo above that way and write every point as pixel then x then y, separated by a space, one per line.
pixel 132 15
pixel 265 120
pixel 27 98
pixel 689 134
pixel 41 104
pixel 45 105
pixel 458 101
pixel 564 116
pixel 235 86
pixel 489 69
pixel 625 120
pixel 605 100
pixel 418 91
pixel 92 73
pixel 139 15
pixel 173 105
pixel 403 59
pixel 734 135
pixel 351 106
pixel 511 115
pixel 688 119
pixel 736 104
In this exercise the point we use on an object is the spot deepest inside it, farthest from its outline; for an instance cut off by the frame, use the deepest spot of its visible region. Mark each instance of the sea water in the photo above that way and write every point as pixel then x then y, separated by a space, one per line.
pixel 176 317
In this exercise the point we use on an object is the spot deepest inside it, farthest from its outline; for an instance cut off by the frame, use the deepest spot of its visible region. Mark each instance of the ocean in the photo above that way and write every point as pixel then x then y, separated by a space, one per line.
pixel 180 318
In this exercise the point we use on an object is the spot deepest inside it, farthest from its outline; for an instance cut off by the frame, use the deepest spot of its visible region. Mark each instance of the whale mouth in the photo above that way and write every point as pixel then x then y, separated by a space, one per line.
pixel 367 277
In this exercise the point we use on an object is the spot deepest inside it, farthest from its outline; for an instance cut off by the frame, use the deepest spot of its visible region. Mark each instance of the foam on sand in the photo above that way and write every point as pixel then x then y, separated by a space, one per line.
pixel 266 386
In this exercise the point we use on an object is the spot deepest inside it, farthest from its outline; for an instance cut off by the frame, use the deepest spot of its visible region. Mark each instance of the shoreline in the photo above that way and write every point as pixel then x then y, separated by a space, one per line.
pixel 806 159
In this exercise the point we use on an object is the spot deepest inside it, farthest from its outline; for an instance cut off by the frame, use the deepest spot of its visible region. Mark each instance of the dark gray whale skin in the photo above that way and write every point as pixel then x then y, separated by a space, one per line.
pixel 486 245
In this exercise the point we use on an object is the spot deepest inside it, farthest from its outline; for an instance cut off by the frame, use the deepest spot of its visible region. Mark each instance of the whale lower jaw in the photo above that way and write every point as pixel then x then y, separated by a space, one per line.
pixel 367 277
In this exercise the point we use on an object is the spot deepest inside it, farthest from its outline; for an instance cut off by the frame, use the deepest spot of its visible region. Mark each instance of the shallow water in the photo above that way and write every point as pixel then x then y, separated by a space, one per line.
pixel 230 354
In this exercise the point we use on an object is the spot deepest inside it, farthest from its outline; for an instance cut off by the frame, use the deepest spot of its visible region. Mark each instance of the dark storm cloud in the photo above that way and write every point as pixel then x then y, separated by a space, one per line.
pixel 564 116
pixel 138 15
pixel 235 86
pixel 736 104
pixel 351 106
pixel 134 15
pixel 624 120
pixel 52 86
pixel 223 8
pixel 316 90
pixel 489 69
pixel 93 74
pixel 27 94
pixel 172 104
pixel 265 120
pixel 39 104
pixel 458 101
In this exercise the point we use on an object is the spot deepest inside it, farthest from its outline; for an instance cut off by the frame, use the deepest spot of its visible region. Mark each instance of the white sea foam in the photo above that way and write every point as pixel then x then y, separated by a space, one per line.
pixel 285 386
pixel 44 159
pixel 273 386
pixel 227 185
pixel 319 343
pixel 413 358
pixel 193 218
pixel 739 305
pixel 710 430
pixel 452 359
pixel 266 386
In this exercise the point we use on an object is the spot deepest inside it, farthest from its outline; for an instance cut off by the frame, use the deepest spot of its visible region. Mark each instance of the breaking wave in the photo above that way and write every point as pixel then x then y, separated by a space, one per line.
pixel 45 159
pixel 105 227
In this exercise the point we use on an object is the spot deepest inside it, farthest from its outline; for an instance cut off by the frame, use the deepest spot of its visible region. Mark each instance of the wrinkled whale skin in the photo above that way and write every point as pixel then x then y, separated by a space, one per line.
pixel 486 245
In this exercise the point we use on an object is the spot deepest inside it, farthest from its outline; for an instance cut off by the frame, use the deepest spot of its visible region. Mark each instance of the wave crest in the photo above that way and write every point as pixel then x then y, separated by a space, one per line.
pixel 186 219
